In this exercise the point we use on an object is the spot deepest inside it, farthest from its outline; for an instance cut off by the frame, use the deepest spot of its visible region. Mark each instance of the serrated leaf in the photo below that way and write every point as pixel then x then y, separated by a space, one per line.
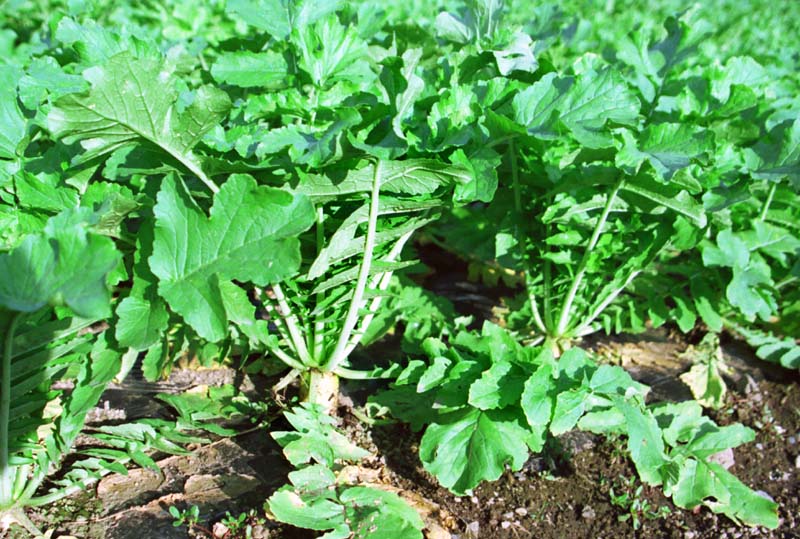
pixel 710 484
pixel 645 441
pixel 667 147
pixel 594 100
pixel 310 512
pixel 411 177
pixel 250 236
pixel 141 322
pixel 569 407
pixel 729 251
pixel 500 386
pixel 537 404
pixel 536 106
pixel 279 17
pixel 678 201
pixel 469 446
pixel 315 438
pixel 376 513
pixel 133 100
pixel 778 156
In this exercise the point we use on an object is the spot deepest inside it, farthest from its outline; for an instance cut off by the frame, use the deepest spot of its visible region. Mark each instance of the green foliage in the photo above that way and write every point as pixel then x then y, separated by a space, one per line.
pixel 318 499
pixel 704 378
pixel 240 180
pixel 485 403
pixel 628 497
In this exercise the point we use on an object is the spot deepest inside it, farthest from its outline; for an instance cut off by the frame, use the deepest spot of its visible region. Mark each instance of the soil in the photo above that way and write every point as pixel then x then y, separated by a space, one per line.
pixel 580 486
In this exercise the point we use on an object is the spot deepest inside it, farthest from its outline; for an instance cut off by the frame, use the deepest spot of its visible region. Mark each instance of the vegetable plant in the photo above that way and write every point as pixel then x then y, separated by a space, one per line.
pixel 55 288
pixel 243 182
pixel 485 402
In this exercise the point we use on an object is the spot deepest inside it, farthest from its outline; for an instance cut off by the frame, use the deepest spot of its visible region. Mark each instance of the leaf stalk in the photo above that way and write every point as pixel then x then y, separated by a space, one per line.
pixel 564 317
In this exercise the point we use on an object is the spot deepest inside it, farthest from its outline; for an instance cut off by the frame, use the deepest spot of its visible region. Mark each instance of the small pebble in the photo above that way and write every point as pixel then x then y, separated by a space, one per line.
pixel 797 462
pixel 505 524
pixel 689 535
pixel 588 513
pixel 220 530
pixel 760 447
pixel 474 499
pixel 724 458
pixel 792 440
pixel 521 511
pixel 508 515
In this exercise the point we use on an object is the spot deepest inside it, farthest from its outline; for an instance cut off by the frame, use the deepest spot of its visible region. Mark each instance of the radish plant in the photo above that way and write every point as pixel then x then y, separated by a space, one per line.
pixel 66 266
pixel 241 181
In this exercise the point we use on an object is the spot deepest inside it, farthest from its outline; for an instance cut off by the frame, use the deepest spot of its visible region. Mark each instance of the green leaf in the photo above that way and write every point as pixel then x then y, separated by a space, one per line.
pixel 705 377
pixel 710 484
pixel 45 77
pixel 594 100
pixel 44 193
pixel 250 236
pixel 330 52
pixel 667 196
pixel 374 513
pixel 570 406
pixel 778 155
pixel 313 477
pixel 482 166
pixel 500 386
pixel 411 177
pixel 251 69
pixel 13 128
pixel 92 380
pixel 434 375
pixel 645 441
pixel 771 347
pixel 537 403
pixel 64 265
pixel 141 322
pixel 133 100
pixel 667 147
pixel 305 511
pixel 468 446
pixel 744 291
pixel 453 29
pixel 279 17
pixel 315 438
pixel 536 106
pixel 414 86
pixel 730 251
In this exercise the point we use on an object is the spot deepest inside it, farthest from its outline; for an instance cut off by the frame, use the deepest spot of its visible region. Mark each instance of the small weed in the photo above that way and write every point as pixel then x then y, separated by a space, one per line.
pixel 241 525
pixel 625 494
pixel 189 518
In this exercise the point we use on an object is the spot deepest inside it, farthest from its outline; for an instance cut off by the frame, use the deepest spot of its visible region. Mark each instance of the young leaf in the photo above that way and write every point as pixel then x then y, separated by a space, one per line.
pixel 250 237
pixel 468 446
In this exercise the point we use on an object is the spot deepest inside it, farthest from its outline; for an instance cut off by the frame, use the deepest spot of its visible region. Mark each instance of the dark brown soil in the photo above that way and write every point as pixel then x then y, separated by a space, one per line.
pixel 565 493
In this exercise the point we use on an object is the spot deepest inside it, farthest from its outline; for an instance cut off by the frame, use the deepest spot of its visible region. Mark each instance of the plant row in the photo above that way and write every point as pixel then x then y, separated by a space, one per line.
pixel 242 181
